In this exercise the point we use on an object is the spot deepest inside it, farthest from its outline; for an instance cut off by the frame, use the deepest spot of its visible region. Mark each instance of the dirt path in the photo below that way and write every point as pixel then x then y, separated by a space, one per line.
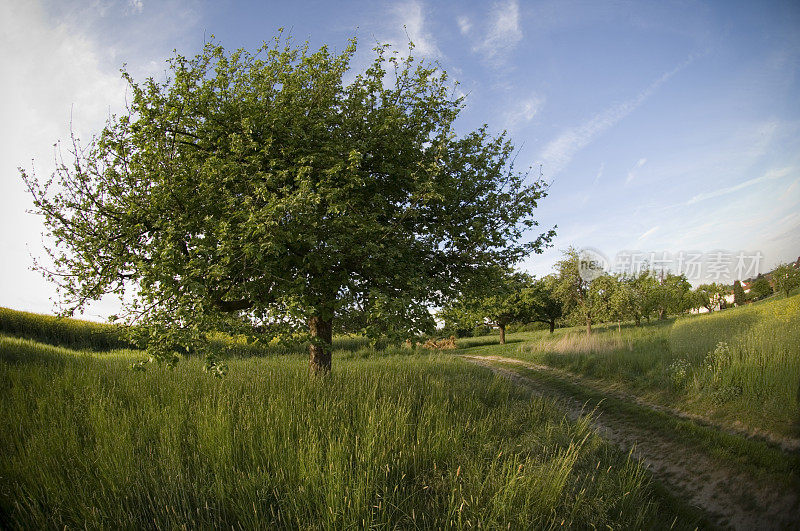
pixel 732 498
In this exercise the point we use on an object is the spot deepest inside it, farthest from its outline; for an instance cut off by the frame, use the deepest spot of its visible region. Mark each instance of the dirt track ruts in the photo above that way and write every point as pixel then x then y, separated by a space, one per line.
pixel 730 497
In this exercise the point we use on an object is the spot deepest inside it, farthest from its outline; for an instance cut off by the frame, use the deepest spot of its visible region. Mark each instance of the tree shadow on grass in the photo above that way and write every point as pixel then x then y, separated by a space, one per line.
pixel 482 342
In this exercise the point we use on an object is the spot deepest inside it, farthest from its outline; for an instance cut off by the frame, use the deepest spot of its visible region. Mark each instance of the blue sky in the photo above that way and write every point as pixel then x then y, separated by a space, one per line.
pixel 663 126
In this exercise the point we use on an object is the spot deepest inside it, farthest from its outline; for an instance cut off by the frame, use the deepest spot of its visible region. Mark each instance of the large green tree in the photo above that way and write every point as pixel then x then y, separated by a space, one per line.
pixel 277 189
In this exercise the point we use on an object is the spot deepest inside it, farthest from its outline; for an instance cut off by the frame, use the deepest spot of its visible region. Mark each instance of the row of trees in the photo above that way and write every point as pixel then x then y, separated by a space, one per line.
pixel 574 295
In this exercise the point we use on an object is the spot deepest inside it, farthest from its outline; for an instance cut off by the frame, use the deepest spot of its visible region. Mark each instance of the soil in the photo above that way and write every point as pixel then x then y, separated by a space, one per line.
pixel 730 497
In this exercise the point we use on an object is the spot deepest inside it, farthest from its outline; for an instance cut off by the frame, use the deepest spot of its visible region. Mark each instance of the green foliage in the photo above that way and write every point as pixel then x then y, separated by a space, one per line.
pixel 403 441
pixel 609 298
pixel 670 295
pixel 760 288
pixel 739 296
pixel 501 298
pixel 259 191
pixel 709 296
pixel 541 298
pixel 571 289
pixel 602 298
pixel 679 372
pixel 786 277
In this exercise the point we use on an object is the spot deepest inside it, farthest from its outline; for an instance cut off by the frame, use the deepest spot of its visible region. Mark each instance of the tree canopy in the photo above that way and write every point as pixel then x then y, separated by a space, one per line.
pixel 503 297
pixel 276 190
pixel 760 288
pixel 573 287
pixel 786 277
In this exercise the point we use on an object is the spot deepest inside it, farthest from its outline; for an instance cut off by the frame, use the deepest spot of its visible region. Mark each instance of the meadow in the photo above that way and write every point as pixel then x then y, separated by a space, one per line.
pixel 394 437
pixel 389 439
pixel 740 366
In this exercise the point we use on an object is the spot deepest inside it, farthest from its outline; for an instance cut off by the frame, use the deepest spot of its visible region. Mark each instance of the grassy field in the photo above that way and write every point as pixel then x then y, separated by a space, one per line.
pixel 740 366
pixel 393 438
pixel 389 440
pixel 74 333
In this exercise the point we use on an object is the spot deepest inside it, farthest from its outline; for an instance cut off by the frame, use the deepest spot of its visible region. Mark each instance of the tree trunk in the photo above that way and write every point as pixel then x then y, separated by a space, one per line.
pixel 319 351
pixel 619 326
pixel 502 334
pixel 589 326
pixel 552 325
pixel 662 315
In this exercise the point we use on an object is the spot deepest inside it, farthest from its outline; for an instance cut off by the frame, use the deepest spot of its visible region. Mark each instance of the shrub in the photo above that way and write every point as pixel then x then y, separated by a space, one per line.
pixel 439 344
pixel 679 372
pixel 481 330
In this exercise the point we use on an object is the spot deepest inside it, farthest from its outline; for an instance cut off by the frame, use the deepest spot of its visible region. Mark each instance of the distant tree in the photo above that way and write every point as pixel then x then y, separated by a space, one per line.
pixel 601 296
pixel 623 303
pixel 760 288
pixel 710 296
pixel 505 304
pixel 786 277
pixel 541 299
pixel 739 296
pixel 643 299
pixel 269 190
pixel 669 295
pixel 572 288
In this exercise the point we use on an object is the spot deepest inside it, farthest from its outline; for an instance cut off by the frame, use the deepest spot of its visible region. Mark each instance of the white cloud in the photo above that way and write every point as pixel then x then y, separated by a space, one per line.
pixel 464 24
pixel 410 19
pixel 559 152
pixel 57 78
pixel 57 71
pixel 524 111
pixel 770 175
pixel 632 172
pixel 503 34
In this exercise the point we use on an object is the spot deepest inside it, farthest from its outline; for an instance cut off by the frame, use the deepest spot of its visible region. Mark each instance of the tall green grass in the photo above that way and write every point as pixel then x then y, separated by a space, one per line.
pixel 83 335
pixel 741 365
pixel 61 331
pixel 399 441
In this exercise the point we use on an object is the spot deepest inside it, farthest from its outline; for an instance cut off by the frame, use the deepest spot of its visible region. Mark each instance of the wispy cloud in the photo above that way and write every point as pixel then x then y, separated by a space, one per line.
pixel 559 152
pixel 770 175
pixel 503 34
pixel 632 172
pixel 790 189
pixel 523 111
pixel 648 233
pixel 785 227
pixel 464 24
pixel 410 18
pixel 599 174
